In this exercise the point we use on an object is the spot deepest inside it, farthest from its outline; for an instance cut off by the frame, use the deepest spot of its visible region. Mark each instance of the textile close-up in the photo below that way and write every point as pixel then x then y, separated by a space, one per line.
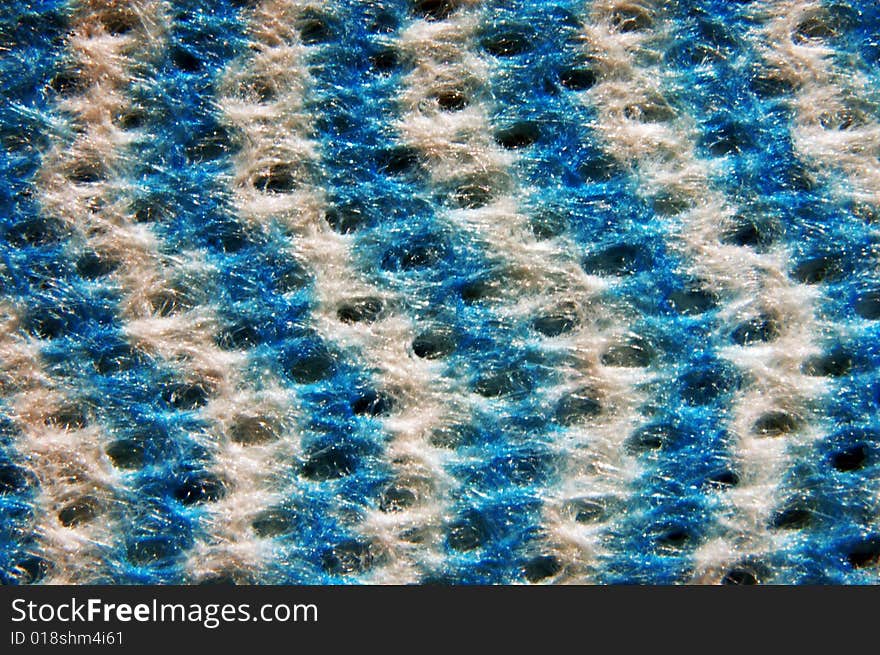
pixel 440 292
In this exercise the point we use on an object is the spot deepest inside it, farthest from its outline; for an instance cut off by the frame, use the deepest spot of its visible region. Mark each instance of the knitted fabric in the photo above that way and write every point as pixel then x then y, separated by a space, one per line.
pixel 411 291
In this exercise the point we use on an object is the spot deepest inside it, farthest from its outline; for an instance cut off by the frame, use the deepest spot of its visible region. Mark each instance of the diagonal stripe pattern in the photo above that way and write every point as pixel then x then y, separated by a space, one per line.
pixel 439 291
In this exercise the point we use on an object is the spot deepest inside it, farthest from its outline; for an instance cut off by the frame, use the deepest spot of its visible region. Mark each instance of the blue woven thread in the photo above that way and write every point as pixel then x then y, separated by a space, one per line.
pixel 353 107
pixel 31 259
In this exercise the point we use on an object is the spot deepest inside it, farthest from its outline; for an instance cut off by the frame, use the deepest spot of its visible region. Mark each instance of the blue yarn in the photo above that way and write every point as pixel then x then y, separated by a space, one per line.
pixel 506 462
pixel 357 108
pixel 26 70
pixel 720 94
pixel 179 113
pixel 603 214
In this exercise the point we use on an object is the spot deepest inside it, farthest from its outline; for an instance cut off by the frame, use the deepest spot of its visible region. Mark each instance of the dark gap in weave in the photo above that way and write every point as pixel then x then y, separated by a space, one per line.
pixel 273 522
pixel 365 309
pixel 496 383
pixel 373 403
pixel 751 231
pixel 200 488
pixel 600 168
pixel 630 19
pixel 469 532
pixel 396 498
pixel 775 423
pixel 278 178
pixel 242 336
pixel 68 417
pixel 693 300
pixel 761 329
pixel 36 231
pixel 577 79
pixel 850 459
pixel 508 42
pixel 92 266
pixel 835 363
pixel 740 576
pixel 519 135
pixel 185 60
pixel 794 516
pixel 186 396
pixel 254 430
pixel 329 463
pixel 126 453
pixel 349 556
pixel 82 510
pixel 211 144
pixel 152 550
pixel 473 195
pixel 15 479
pixel 433 10
pixel 399 161
pixel 723 479
pixel 312 367
pixel 548 224
pixel 578 406
pixel 385 60
pixel 634 353
pixel 705 384
pixel 864 553
pixel 32 569
pixel 477 290
pixel 541 567
pixel 435 343
pixel 314 28
pixel 654 436
pixel 118 21
pixel 560 320
pixel 673 540
pixel 67 82
pixel 451 100
pixel 586 510
pixel 824 268
pixel 346 219
pixel 619 259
